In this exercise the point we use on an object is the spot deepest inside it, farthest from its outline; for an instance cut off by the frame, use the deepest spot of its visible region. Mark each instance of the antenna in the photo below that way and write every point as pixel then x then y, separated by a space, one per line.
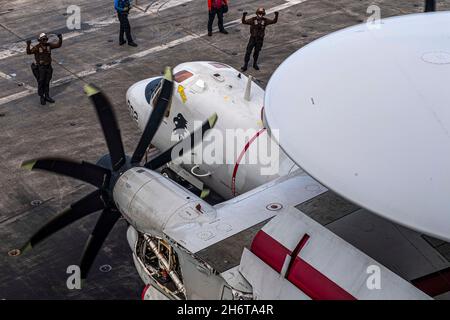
pixel 248 89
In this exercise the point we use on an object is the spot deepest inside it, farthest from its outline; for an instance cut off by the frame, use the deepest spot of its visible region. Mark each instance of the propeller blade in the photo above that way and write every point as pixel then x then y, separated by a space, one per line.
pixel 84 171
pixel 89 204
pixel 104 225
pixel 109 125
pixel 166 156
pixel 159 110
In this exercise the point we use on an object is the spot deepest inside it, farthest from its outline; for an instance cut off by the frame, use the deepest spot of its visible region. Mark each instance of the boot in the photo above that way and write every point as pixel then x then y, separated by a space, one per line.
pixel 43 100
pixel 244 67
pixel 209 33
pixel 255 66
pixel 122 42
pixel 132 44
pixel 49 99
pixel 223 31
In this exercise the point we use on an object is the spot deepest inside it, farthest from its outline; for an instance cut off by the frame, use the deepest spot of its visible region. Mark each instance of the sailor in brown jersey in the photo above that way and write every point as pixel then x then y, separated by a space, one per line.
pixel 258 26
pixel 42 68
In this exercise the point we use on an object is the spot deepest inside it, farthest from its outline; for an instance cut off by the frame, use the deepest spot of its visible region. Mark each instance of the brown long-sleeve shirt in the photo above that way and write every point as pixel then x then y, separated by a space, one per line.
pixel 258 27
pixel 43 52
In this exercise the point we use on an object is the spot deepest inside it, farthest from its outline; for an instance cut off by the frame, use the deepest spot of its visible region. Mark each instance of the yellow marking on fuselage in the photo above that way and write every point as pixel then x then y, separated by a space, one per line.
pixel 182 93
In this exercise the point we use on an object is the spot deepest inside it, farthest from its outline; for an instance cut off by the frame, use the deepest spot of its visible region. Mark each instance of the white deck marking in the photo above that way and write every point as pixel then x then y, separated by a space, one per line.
pixel 16 96
pixel 9 77
pixel 29 89
pixel 140 54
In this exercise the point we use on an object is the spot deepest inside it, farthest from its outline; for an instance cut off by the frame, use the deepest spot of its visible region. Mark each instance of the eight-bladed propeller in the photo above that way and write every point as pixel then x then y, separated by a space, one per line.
pixel 106 172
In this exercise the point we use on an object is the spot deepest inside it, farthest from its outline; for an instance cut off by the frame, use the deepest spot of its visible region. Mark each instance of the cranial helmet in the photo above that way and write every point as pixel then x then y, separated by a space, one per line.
pixel 261 11
pixel 42 36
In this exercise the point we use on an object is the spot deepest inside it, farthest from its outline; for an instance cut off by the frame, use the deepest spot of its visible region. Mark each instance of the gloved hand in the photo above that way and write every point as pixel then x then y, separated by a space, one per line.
pixel 60 35
pixel 28 42
pixel 277 13
pixel 245 13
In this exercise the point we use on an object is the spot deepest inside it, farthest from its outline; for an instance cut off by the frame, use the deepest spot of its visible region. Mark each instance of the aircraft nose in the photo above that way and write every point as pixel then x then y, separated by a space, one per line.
pixel 139 100
pixel 137 105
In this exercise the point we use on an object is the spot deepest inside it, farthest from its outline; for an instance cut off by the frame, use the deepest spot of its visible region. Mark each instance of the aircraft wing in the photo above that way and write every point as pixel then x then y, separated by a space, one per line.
pixel 254 207
pixel 294 257
pixel 270 236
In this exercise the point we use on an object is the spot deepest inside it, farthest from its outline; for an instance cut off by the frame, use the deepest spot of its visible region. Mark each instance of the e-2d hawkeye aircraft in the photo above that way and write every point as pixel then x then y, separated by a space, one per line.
pixel 263 244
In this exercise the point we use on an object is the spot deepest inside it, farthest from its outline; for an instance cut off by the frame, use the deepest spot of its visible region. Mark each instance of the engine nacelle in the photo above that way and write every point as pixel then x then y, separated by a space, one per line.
pixel 152 203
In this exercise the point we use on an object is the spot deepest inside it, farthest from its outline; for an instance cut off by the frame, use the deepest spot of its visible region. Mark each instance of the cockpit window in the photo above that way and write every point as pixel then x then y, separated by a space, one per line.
pixel 182 75
pixel 150 89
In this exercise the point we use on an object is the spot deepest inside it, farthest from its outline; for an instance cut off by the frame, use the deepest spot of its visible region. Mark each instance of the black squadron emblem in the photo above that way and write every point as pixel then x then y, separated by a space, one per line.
pixel 180 129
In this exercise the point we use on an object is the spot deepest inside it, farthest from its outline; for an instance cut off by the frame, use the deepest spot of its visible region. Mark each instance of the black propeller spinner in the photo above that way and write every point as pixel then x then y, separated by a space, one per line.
pixel 107 171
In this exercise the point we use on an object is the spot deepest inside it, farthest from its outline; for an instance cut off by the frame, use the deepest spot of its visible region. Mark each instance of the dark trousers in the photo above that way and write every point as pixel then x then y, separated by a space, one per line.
pixel 212 15
pixel 255 44
pixel 124 27
pixel 430 5
pixel 44 76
